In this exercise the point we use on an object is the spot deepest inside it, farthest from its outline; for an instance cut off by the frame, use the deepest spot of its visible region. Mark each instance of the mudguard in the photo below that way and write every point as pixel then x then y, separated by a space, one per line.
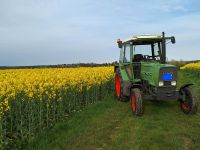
pixel 116 67
pixel 126 85
pixel 187 85
pixel 182 87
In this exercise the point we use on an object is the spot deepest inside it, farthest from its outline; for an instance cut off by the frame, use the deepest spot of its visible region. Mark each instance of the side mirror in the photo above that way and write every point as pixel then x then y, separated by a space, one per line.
pixel 119 42
pixel 173 40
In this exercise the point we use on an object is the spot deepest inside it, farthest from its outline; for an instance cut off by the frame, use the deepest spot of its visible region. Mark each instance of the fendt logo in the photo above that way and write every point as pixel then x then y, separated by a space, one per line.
pixel 148 73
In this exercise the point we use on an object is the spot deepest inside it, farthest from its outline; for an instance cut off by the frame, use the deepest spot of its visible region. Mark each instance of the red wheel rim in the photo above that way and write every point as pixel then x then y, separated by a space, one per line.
pixel 133 102
pixel 185 106
pixel 117 85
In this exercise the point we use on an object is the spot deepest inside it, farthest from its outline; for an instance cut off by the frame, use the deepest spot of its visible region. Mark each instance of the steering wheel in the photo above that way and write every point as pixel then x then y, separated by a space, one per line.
pixel 149 57
pixel 146 56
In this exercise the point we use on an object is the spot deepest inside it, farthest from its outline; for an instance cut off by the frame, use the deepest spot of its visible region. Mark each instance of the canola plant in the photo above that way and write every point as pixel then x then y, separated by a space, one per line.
pixel 33 99
pixel 192 69
pixel 195 66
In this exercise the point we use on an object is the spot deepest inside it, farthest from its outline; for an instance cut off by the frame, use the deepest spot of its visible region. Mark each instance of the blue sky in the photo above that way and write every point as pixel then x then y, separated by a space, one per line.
pixel 35 32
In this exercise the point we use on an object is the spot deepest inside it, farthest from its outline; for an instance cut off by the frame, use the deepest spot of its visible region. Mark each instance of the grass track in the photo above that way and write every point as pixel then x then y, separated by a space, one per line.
pixel 110 124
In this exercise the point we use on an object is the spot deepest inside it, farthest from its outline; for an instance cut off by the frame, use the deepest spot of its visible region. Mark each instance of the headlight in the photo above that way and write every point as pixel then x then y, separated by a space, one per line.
pixel 161 83
pixel 173 83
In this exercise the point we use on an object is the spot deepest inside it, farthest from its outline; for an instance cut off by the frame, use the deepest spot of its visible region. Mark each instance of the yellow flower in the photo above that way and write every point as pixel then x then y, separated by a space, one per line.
pixel 192 66
pixel 37 82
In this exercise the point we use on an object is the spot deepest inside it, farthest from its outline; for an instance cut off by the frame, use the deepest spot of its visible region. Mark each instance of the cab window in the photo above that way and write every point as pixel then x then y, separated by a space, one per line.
pixel 127 53
pixel 121 59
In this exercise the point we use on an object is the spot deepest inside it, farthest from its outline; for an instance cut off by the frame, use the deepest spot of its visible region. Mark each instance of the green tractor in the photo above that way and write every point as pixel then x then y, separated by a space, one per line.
pixel 142 73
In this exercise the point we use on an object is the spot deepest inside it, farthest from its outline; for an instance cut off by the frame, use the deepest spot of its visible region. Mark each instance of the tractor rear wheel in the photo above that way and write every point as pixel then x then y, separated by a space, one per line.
pixel 136 102
pixel 188 101
pixel 118 87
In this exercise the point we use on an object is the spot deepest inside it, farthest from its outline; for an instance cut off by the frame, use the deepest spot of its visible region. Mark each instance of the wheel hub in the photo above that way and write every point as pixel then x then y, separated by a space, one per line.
pixel 133 102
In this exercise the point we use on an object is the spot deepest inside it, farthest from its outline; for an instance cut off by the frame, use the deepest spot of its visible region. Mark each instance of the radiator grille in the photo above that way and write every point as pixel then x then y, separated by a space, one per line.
pixel 167 83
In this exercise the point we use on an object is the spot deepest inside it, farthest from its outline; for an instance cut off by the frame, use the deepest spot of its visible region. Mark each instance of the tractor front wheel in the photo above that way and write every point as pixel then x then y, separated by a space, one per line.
pixel 188 101
pixel 136 102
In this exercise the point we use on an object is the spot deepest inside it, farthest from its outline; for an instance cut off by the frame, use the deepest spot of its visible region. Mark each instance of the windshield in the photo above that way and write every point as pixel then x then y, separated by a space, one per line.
pixel 148 52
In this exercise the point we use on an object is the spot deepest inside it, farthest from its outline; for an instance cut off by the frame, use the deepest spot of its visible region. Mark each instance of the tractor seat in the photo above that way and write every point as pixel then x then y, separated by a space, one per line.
pixel 138 57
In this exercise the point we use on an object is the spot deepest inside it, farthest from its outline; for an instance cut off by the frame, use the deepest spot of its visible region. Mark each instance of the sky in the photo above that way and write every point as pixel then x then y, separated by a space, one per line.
pixel 42 32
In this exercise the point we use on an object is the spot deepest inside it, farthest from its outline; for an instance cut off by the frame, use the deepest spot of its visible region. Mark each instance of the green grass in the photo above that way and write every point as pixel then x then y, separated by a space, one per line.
pixel 110 124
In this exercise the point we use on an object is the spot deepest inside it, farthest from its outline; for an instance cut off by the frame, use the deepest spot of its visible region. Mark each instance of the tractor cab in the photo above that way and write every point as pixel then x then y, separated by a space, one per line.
pixel 142 73
pixel 144 48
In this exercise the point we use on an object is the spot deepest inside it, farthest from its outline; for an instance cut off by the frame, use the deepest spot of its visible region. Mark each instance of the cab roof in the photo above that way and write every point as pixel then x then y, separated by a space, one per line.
pixel 144 39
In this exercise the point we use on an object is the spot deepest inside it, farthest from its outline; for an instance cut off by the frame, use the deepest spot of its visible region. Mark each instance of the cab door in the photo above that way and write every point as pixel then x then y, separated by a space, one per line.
pixel 125 62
